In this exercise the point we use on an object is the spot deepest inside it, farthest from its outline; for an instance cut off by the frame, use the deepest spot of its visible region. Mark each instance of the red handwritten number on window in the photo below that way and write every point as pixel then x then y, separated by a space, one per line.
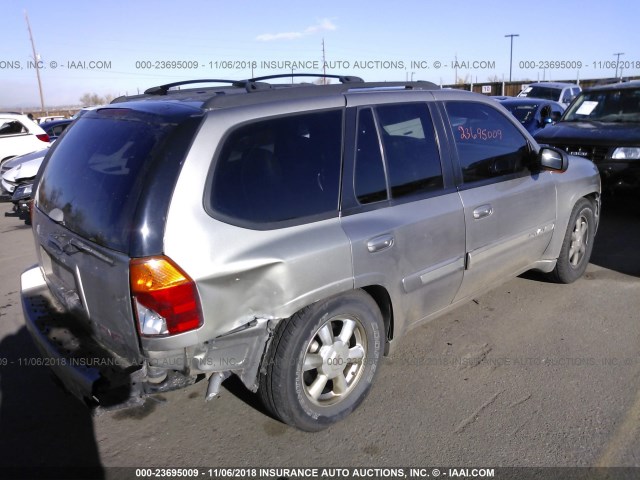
pixel 467 133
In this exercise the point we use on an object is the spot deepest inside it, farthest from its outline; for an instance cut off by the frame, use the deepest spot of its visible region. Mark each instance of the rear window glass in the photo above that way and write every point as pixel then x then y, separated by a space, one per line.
pixel 95 174
pixel 280 170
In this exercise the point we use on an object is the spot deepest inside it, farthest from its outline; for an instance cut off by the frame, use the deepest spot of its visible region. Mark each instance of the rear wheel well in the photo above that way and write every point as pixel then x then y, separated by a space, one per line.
pixel 383 300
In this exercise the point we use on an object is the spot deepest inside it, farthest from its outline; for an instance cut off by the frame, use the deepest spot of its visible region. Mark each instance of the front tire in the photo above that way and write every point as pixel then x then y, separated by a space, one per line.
pixel 322 361
pixel 577 245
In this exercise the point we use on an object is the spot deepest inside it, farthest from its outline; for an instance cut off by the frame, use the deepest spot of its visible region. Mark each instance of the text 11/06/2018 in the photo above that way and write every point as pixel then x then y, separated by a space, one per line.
pixel 577 64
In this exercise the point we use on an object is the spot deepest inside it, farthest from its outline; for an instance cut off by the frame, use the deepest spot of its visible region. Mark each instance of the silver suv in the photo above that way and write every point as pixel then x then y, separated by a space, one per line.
pixel 287 234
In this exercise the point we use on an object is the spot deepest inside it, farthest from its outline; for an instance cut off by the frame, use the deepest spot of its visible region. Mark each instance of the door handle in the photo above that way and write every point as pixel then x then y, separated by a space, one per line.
pixel 482 211
pixel 380 243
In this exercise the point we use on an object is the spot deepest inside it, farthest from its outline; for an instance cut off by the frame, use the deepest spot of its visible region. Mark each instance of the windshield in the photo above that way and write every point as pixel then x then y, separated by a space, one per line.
pixel 548 93
pixel 606 106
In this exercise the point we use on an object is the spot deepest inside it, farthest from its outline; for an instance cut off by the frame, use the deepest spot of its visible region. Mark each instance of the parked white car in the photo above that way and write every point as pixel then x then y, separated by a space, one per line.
pixel 19 135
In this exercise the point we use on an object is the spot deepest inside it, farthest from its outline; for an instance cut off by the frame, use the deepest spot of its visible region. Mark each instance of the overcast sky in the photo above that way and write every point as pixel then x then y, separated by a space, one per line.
pixel 119 47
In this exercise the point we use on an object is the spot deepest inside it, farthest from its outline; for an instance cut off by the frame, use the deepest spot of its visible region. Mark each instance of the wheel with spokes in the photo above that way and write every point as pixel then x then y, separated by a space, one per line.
pixel 322 361
pixel 577 244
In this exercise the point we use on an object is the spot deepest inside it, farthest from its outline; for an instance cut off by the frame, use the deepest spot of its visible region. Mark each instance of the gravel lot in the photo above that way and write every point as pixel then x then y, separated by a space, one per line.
pixel 531 374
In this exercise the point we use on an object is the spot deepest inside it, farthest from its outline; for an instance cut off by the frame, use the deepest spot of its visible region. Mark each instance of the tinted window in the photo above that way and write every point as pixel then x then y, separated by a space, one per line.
pixel 622 105
pixel 525 114
pixel 547 93
pixel 57 130
pixel 488 144
pixel 413 161
pixel 11 127
pixel 280 169
pixel 370 182
pixel 94 177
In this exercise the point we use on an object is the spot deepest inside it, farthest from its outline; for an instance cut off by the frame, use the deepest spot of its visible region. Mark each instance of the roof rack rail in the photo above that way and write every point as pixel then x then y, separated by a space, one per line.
pixel 163 89
pixel 251 84
pixel 341 78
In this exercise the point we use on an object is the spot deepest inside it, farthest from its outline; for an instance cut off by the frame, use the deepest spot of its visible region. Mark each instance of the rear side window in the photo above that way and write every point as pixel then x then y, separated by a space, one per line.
pixel 280 170
pixel 489 146
pixel 95 175
pixel 11 127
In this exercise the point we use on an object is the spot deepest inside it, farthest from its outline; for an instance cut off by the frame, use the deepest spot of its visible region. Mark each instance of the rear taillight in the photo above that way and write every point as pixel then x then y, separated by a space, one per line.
pixel 44 137
pixel 165 299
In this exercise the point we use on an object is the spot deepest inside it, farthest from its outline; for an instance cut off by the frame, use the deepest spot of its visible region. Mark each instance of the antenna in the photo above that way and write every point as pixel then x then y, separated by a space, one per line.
pixel 36 61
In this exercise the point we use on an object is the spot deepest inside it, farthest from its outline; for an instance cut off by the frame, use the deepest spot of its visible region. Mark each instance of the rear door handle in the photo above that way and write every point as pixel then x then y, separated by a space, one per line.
pixel 482 211
pixel 380 243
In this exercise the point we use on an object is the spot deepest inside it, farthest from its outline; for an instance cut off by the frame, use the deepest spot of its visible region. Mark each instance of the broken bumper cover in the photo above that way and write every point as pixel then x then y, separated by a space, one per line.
pixel 239 351
pixel 101 379
pixel 85 369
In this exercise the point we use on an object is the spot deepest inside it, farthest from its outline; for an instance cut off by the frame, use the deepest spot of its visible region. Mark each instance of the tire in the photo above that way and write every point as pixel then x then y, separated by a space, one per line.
pixel 577 244
pixel 330 386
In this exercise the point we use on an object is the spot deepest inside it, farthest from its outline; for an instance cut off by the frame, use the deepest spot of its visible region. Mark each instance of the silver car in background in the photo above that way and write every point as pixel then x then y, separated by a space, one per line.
pixel 288 234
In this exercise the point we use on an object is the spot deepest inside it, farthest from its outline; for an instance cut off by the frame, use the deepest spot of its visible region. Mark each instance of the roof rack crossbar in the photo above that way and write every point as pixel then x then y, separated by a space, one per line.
pixel 163 89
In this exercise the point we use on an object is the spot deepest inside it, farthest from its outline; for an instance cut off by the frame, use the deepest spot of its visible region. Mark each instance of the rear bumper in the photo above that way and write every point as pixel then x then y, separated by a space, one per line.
pixel 102 379
pixel 83 367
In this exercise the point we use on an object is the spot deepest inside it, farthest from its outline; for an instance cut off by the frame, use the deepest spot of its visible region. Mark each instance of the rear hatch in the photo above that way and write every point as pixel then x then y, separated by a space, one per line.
pixel 102 198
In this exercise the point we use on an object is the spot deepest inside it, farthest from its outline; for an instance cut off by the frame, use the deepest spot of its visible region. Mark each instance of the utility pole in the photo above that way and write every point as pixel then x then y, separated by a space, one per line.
pixel 36 61
pixel 324 65
pixel 456 81
pixel 617 62
pixel 511 54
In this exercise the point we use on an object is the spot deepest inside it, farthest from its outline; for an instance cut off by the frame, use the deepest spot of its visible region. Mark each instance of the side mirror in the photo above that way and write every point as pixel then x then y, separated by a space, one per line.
pixel 553 159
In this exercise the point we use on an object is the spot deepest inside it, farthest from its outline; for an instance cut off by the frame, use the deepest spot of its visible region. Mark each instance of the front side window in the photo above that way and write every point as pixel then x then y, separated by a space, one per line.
pixel 489 146
pixel 280 169
pixel 370 181
pixel 410 148
pixel 396 146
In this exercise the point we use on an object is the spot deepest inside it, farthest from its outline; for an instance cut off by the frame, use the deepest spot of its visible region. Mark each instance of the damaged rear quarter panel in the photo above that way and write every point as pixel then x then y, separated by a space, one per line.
pixel 241 273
